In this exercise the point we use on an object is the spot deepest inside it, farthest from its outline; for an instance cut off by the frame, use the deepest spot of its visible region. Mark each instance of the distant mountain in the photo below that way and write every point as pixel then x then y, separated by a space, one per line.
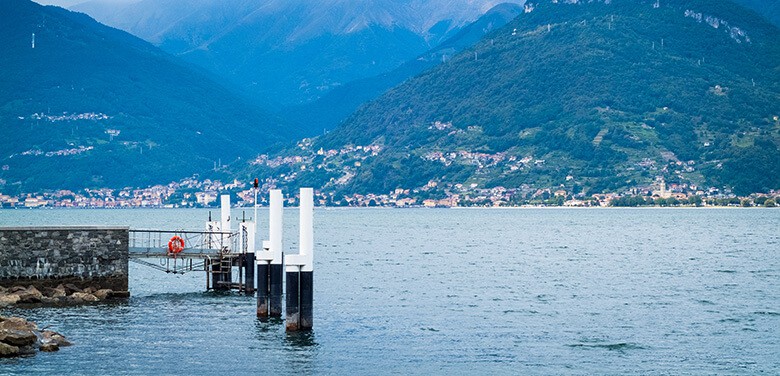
pixel 335 106
pixel 292 51
pixel 767 8
pixel 581 96
pixel 85 105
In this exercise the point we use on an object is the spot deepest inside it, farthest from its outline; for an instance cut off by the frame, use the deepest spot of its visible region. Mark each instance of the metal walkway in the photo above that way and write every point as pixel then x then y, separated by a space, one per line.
pixel 219 254
pixel 197 244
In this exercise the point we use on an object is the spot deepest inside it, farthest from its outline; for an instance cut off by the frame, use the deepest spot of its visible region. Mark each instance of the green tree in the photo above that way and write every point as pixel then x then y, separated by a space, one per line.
pixel 695 200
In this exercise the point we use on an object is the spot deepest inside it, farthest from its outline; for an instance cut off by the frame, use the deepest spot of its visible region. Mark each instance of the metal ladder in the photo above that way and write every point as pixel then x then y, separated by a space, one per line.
pixel 226 266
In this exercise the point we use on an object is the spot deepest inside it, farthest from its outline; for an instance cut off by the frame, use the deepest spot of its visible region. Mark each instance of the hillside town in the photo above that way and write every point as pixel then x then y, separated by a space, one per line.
pixel 342 165
pixel 194 193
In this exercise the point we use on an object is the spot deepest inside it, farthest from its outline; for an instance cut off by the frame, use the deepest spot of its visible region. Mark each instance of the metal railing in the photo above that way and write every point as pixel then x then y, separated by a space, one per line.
pixel 154 243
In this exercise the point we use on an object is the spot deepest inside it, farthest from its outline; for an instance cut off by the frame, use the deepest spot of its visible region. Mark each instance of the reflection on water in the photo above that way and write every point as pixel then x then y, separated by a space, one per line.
pixel 268 324
pixel 300 340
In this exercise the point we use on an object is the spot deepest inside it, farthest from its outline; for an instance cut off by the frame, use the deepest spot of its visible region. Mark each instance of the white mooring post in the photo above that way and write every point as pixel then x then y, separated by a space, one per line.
pixel 300 269
pixel 247 256
pixel 213 240
pixel 246 237
pixel 249 261
pixel 225 214
pixel 269 262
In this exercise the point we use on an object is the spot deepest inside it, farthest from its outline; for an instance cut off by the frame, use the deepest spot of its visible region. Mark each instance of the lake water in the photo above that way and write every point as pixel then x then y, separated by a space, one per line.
pixel 435 291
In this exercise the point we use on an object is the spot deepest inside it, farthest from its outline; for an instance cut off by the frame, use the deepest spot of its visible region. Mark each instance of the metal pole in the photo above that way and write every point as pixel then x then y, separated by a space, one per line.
pixel 252 250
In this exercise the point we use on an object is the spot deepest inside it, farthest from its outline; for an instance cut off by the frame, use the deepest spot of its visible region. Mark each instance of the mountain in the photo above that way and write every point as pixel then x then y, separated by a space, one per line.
pixel 85 105
pixel 335 106
pixel 292 51
pixel 581 96
pixel 767 8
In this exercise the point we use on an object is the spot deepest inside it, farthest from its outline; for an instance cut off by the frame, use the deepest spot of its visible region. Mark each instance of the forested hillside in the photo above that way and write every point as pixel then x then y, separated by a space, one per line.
pixel 596 96
pixel 84 105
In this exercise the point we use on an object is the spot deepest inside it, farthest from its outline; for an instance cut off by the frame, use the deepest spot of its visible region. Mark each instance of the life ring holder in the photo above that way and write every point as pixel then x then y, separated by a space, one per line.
pixel 175 245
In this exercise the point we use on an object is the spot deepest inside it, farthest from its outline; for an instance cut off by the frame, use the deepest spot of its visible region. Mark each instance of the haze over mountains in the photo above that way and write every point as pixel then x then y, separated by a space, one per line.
pixel 584 96
pixel 331 109
pixel 770 9
pixel 292 51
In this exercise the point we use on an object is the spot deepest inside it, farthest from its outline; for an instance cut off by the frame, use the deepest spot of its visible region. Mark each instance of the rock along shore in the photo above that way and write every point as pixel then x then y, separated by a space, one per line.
pixel 19 337
pixel 67 294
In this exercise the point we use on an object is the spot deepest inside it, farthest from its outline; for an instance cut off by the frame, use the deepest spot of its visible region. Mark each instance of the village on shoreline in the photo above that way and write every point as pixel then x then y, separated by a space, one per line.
pixel 193 193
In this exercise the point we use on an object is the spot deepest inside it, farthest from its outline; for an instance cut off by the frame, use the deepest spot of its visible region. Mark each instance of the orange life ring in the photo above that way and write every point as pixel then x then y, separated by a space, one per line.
pixel 176 244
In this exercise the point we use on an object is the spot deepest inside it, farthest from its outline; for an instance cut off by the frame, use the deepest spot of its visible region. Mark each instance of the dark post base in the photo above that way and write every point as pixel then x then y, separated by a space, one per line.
pixel 220 281
pixel 249 275
pixel 300 299
pixel 216 276
pixel 275 290
pixel 307 300
pixel 293 302
pixel 269 290
pixel 263 288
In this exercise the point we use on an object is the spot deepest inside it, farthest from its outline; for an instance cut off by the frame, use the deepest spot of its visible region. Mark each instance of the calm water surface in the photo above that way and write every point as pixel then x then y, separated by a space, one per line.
pixel 433 291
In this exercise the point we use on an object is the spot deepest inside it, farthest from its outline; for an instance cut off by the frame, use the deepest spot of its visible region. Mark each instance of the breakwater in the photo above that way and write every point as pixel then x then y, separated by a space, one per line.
pixel 46 257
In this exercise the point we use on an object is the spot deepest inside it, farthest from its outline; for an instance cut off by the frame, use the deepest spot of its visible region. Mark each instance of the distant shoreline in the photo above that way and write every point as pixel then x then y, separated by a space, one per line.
pixel 408 207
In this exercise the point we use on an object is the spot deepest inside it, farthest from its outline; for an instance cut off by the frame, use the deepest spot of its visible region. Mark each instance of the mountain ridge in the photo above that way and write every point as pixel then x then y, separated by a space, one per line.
pixel 293 52
pixel 334 107
pixel 767 9
pixel 590 97
pixel 109 108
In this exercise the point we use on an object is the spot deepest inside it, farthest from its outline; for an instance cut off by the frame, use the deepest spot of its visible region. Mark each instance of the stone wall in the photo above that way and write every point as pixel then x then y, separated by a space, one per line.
pixel 48 256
